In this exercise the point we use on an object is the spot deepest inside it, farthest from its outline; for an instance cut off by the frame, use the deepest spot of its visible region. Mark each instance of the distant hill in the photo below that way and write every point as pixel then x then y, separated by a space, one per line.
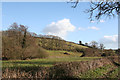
pixel 58 44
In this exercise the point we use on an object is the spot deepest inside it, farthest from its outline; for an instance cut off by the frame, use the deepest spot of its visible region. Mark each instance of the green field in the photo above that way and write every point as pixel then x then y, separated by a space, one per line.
pixel 54 57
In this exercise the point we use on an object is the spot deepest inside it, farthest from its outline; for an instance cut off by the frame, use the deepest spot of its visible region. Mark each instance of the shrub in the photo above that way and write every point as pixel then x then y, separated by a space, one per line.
pixel 10 49
pixel 109 53
pixel 90 52
pixel 34 52
pixel 13 54
pixel 41 53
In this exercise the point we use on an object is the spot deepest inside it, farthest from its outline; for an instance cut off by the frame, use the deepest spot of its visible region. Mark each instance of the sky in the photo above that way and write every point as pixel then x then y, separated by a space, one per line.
pixel 58 18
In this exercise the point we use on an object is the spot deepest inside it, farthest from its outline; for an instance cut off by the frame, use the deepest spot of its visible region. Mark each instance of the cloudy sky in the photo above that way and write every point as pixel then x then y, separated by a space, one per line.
pixel 58 18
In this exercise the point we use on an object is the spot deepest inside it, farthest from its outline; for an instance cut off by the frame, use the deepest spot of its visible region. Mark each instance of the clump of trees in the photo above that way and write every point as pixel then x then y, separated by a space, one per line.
pixel 45 36
pixel 95 49
pixel 18 43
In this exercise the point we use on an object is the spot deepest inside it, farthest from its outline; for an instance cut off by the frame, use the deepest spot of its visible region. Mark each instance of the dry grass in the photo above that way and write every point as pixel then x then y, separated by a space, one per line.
pixel 60 70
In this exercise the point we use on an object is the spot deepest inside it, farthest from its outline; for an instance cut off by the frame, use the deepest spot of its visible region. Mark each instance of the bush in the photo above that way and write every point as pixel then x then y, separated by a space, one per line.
pixel 13 54
pixel 90 52
pixel 41 53
pixel 34 52
pixel 109 53
pixel 10 49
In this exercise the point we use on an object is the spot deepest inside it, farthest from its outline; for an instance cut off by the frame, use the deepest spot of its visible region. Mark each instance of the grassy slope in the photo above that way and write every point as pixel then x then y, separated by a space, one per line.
pixel 55 44
pixel 54 57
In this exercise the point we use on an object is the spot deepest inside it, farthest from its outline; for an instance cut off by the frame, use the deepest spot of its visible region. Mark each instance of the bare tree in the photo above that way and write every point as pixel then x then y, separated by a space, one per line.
pixel 109 8
pixel 102 46
pixel 16 40
pixel 94 44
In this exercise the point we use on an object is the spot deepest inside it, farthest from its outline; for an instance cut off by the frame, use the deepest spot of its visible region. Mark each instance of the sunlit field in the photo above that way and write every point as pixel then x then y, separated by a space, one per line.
pixel 54 57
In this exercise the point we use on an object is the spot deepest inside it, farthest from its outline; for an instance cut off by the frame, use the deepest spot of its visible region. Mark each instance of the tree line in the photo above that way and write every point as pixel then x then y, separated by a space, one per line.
pixel 18 43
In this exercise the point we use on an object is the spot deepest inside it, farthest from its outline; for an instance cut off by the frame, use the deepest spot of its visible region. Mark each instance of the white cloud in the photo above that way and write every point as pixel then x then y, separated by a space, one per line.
pixel 60 28
pixel 113 38
pixel 93 27
pixel 92 21
pixel 102 21
pixel 110 41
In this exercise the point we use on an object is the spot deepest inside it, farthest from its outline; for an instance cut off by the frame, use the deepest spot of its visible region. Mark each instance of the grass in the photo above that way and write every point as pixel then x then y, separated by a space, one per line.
pixel 54 57
pixel 113 73
pixel 60 54
pixel 48 62
pixel 100 72
pixel 76 45
pixel 58 57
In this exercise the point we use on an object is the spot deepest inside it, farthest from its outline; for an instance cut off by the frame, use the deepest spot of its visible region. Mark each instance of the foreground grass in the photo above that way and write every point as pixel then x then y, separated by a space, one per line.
pixel 54 57
pixel 34 65
pixel 113 73
pixel 101 72
pixel 48 62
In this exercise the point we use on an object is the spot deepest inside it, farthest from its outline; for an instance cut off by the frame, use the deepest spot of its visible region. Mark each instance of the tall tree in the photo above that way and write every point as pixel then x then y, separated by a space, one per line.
pixel 24 30
pixel 16 41
pixel 101 46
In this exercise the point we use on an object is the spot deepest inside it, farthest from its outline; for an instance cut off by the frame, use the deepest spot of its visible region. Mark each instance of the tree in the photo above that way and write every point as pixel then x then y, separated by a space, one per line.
pixel 24 30
pixel 18 33
pixel 18 43
pixel 80 42
pixel 11 41
pixel 101 8
pixel 102 46
pixel 86 44
pixel 94 44
pixel 15 41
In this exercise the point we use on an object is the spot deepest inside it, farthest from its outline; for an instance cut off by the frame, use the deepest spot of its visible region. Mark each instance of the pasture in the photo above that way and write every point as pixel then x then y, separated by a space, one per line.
pixel 54 57
pixel 56 63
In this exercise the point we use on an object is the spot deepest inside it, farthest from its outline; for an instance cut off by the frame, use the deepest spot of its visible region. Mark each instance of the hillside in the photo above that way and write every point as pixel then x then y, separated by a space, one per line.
pixel 27 56
pixel 56 44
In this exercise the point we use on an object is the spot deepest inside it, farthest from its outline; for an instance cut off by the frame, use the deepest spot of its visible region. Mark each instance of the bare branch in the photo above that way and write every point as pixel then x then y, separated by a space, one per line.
pixel 108 8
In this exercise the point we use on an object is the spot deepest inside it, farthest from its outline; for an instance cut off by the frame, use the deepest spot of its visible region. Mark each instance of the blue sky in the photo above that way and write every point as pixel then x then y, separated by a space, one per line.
pixel 58 18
